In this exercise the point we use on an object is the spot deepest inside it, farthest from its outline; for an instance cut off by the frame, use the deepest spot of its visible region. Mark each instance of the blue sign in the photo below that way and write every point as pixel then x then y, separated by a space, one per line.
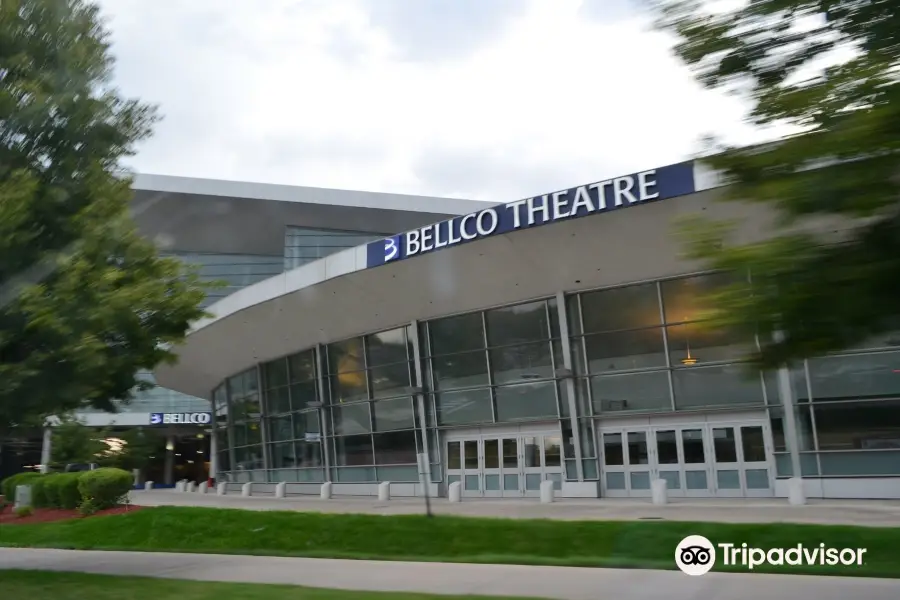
pixel 602 196
pixel 202 418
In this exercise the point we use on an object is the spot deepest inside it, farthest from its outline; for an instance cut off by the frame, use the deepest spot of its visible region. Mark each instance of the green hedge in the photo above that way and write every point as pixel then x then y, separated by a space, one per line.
pixel 40 498
pixel 104 488
pixel 63 490
pixel 10 484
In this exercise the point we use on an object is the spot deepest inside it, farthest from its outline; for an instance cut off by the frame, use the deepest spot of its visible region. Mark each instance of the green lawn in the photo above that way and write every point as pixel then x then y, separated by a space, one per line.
pixel 646 544
pixel 46 585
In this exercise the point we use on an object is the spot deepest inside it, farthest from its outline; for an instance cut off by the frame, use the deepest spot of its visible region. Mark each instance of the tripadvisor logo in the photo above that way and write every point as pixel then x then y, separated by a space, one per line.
pixel 696 555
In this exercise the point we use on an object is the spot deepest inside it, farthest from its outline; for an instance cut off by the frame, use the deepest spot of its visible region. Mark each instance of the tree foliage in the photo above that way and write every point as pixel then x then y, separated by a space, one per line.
pixel 828 69
pixel 85 302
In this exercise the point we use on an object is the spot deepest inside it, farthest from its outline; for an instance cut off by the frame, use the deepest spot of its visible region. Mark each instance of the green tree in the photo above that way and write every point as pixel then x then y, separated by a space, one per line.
pixel 829 70
pixel 85 302
pixel 74 442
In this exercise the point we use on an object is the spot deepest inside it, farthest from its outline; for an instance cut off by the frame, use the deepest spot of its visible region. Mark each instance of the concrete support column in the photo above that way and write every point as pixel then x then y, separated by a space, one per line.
pixel 568 365
pixel 169 469
pixel 792 440
pixel 46 449
pixel 213 457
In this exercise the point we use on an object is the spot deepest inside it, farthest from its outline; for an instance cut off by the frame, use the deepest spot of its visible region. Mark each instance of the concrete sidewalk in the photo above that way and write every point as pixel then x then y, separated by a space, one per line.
pixel 873 513
pixel 563 583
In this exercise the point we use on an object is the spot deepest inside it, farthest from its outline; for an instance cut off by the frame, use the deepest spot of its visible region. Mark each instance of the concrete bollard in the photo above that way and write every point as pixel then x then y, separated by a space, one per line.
pixel 23 497
pixel 191 487
pixel 326 490
pixel 280 489
pixel 659 491
pixel 454 492
pixel 179 486
pixel 203 487
pixel 384 491
pixel 148 485
pixel 247 489
pixel 222 489
pixel 796 493
pixel 547 492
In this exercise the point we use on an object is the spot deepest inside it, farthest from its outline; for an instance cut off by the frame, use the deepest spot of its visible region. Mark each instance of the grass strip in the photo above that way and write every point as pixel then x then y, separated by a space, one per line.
pixel 48 585
pixel 637 544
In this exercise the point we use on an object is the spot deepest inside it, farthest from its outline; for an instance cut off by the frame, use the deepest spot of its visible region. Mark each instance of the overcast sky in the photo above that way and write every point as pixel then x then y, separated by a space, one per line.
pixel 483 99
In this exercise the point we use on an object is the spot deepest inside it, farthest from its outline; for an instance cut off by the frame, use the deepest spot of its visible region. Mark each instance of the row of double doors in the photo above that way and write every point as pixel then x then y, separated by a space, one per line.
pixel 504 466
pixel 703 460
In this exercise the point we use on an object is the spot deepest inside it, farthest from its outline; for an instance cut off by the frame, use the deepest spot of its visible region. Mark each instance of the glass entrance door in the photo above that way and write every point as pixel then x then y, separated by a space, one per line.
pixel 741 460
pixel 682 460
pixel 504 466
pixel 700 460
pixel 626 463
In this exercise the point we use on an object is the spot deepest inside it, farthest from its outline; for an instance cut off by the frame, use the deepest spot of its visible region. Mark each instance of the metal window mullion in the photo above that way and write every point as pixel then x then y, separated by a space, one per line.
pixel 812 418
pixel 487 359
pixel 665 332
pixel 584 357
pixel 420 400
pixel 263 430
pixel 324 406
pixel 570 383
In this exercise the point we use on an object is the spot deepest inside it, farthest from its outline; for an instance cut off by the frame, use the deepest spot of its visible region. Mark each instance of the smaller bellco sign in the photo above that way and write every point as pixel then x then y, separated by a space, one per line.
pixel 201 418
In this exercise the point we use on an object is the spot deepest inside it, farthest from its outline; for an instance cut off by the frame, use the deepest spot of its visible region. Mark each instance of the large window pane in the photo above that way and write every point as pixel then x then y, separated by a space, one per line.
pixel 465 407
pixel 276 373
pixel 633 392
pixel 456 334
pixel 528 401
pixel 387 347
pixel 517 324
pixel 281 429
pixel 686 299
pixel 716 386
pixel 692 343
pixel 803 421
pixel 390 380
pixel 395 448
pixel 798 386
pixel 625 350
pixel 351 418
pixel 278 401
pixel 460 370
pixel 516 364
pixel 860 463
pixel 353 450
pixel 302 366
pixel 390 415
pixel 306 422
pixel 858 425
pixel 349 387
pixel 631 307
pixel 282 455
pixel 309 454
pixel 304 393
pixel 855 377
pixel 346 356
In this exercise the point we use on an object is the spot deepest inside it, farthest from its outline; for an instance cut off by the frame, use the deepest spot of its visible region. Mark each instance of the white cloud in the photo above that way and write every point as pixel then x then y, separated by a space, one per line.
pixel 331 93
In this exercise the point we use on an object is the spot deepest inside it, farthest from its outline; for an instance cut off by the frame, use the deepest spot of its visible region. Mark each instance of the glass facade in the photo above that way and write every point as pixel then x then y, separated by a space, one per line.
pixel 237 271
pixel 348 411
pixel 304 245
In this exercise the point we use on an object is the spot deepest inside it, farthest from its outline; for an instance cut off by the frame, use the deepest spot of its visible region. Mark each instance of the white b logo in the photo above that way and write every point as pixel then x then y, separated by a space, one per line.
pixel 695 555
pixel 391 249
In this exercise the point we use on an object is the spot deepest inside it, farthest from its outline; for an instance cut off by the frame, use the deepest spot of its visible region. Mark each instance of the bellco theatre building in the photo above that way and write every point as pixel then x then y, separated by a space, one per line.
pixel 552 338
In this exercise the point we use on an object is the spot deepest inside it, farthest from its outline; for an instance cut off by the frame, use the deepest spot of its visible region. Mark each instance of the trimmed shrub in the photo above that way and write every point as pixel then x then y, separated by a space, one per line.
pixel 39 489
pixel 65 492
pixel 10 483
pixel 104 488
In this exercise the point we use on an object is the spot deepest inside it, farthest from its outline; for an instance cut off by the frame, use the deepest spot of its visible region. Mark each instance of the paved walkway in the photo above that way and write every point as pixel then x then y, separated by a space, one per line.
pixel 563 583
pixel 873 513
